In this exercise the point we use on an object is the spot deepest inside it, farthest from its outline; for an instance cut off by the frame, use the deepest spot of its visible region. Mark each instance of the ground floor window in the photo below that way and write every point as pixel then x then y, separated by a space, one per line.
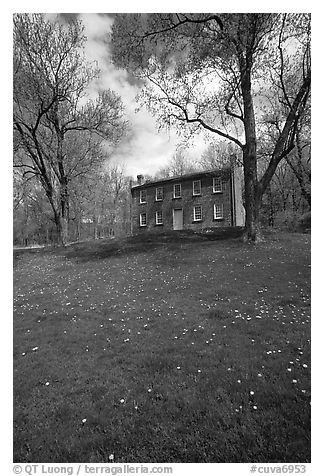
pixel 158 218
pixel 218 211
pixel 197 213
pixel 143 219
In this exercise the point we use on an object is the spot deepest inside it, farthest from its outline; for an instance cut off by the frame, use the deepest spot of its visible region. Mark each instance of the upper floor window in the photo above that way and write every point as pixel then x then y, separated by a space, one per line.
pixel 196 187
pixel 143 221
pixel 177 190
pixel 159 193
pixel 217 184
pixel 218 211
pixel 158 218
pixel 197 213
pixel 142 196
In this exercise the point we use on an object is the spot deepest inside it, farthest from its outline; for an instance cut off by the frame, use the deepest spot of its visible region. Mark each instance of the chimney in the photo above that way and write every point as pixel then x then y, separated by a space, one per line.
pixel 139 179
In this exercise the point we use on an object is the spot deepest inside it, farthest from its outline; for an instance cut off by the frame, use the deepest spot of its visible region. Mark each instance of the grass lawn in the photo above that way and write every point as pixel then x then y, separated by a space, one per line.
pixel 181 348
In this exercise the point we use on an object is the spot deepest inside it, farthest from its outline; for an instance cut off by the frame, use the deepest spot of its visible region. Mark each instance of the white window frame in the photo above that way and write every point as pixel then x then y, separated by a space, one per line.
pixel 143 191
pixel 220 188
pixel 220 217
pixel 157 199
pixel 157 222
pixel 141 219
pixel 174 190
pixel 193 187
pixel 194 213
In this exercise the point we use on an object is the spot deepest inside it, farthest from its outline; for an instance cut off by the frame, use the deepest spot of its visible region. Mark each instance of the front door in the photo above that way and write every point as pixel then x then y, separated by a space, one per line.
pixel 178 219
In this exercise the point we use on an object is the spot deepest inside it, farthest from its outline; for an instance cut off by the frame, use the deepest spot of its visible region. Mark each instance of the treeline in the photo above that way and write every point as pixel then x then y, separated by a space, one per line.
pixel 99 207
pixel 100 203
pixel 66 128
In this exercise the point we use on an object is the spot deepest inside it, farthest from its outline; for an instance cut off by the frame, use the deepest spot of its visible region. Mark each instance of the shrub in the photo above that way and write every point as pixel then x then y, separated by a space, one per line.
pixel 304 222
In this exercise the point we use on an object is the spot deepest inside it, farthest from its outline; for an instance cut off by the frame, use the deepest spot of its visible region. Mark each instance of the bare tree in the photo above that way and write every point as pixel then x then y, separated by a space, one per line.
pixel 180 164
pixel 101 202
pixel 58 131
pixel 210 72
pixel 219 154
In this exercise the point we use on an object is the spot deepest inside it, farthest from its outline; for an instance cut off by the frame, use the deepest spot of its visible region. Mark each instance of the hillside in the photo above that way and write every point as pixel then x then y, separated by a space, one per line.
pixel 181 348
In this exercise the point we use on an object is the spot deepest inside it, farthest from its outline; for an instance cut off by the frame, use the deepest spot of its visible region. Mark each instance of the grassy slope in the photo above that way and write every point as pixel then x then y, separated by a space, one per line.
pixel 158 344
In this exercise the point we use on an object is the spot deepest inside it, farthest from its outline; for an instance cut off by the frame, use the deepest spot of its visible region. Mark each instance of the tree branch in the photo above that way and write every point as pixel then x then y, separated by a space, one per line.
pixel 183 22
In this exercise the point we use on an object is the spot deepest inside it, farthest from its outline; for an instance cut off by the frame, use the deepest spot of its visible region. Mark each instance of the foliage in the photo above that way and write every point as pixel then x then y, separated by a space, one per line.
pixel 99 207
pixel 225 74
pixel 101 203
pixel 219 154
pixel 180 164
pixel 58 130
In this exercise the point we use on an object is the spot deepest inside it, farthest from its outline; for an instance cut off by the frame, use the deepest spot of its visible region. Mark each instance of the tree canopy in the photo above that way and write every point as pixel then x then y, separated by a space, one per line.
pixel 235 76
pixel 58 129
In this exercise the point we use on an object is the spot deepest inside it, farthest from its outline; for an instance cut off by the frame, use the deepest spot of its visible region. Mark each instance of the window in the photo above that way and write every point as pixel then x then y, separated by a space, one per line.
pixel 158 218
pixel 198 213
pixel 196 187
pixel 143 219
pixel 218 211
pixel 177 190
pixel 142 196
pixel 159 194
pixel 217 184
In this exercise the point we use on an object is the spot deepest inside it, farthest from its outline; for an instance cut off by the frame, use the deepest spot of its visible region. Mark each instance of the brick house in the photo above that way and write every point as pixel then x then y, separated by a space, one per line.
pixel 195 201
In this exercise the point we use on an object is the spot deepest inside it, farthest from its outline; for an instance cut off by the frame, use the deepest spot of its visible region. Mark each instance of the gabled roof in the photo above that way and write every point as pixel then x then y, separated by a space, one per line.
pixel 191 176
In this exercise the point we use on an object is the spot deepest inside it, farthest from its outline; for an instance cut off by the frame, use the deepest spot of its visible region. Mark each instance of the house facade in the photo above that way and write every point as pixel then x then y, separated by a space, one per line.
pixel 195 201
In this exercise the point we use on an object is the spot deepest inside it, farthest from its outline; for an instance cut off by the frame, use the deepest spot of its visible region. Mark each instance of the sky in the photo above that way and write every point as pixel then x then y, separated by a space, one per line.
pixel 146 150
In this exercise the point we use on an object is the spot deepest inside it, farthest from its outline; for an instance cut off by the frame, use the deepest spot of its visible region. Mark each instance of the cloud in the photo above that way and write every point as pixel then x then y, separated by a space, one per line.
pixel 145 150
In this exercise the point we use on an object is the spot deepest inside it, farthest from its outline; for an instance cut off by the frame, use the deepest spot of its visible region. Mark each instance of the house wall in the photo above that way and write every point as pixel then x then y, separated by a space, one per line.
pixel 207 199
pixel 239 218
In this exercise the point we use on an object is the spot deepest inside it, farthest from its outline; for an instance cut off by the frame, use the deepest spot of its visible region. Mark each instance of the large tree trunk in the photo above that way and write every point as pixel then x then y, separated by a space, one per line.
pixel 64 194
pixel 252 195
pixel 62 235
pixel 64 238
pixel 61 218
pixel 64 218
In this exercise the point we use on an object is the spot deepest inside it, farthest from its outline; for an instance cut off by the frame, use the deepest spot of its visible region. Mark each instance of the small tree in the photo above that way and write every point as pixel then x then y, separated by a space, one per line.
pixel 180 164
pixel 58 132
pixel 219 154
